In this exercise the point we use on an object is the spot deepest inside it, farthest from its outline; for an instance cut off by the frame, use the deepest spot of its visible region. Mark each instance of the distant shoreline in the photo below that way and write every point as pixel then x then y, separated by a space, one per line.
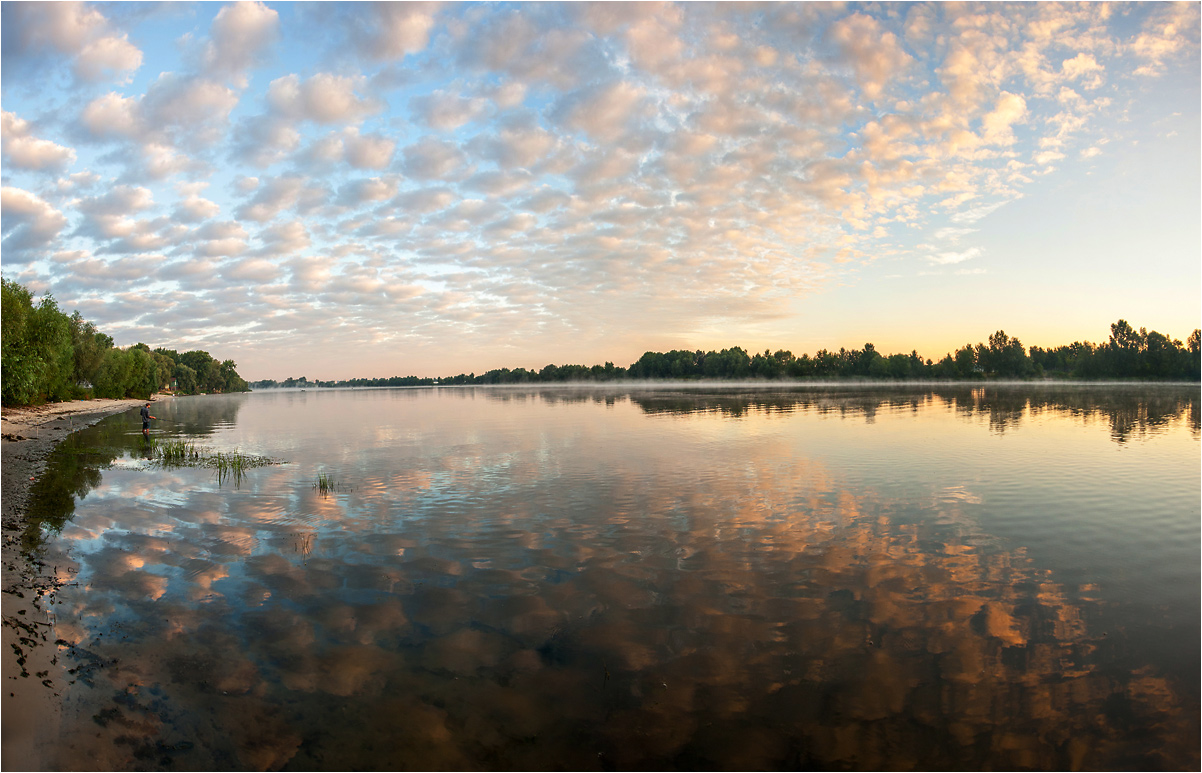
pixel 748 383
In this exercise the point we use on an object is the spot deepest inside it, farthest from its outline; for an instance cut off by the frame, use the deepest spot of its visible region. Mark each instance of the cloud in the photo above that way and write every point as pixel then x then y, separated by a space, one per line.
pixel 368 151
pixel 109 218
pixel 997 125
pixel 119 201
pixel 24 151
pixel 1084 67
pixel 177 115
pixel 603 111
pixel 876 54
pixel 978 213
pixel 284 238
pixel 264 140
pixel 220 239
pixel 161 161
pixel 952 258
pixel 102 58
pixel 194 209
pixel 239 36
pixel 584 167
pixel 1168 30
pixel 359 192
pixel 280 194
pixel 187 105
pixel 528 46
pixel 433 159
pixel 112 116
pixel 324 98
pixel 1048 157
pixel 29 223
pixel 256 270
pixel 518 144
pixel 445 111
pixel 388 31
pixel 38 35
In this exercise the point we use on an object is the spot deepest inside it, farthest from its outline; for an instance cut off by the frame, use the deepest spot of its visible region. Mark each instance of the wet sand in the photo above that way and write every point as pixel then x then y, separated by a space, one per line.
pixel 31 679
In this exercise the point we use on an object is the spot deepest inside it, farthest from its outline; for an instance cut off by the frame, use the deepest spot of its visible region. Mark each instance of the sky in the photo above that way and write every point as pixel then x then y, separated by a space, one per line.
pixel 342 190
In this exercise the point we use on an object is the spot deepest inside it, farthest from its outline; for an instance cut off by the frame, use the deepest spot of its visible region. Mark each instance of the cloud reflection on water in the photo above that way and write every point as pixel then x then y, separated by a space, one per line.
pixel 556 598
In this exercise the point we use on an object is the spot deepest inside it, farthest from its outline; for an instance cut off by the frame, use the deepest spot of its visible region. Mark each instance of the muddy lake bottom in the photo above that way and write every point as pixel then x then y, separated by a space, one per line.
pixel 999 577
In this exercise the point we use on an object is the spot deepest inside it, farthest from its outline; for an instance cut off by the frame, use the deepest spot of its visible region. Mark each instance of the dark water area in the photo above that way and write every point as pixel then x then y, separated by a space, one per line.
pixel 607 579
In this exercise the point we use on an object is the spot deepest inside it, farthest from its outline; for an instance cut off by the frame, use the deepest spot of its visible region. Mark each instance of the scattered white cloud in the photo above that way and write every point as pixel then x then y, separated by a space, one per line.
pixel 324 98
pixel 240 34
pixel 501 170
pixel 876 54
pixel 392 30
pixel 445 111
pixel 37 34
pixel 604 112
pixel 25 151
pixel 951 258
pixel 29 223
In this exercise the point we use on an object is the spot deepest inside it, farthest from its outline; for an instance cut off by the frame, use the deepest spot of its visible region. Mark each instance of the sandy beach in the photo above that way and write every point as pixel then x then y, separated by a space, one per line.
pixel 31 676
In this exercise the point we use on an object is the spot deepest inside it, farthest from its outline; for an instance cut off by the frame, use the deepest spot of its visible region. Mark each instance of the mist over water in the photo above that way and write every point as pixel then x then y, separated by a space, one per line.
pixel 687 577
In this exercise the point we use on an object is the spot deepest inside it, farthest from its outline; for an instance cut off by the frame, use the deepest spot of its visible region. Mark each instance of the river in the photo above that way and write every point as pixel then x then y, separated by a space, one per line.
pixel 599 578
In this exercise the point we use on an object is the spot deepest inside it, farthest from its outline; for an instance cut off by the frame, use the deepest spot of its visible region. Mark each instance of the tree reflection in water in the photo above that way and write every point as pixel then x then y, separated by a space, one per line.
pixel 769 617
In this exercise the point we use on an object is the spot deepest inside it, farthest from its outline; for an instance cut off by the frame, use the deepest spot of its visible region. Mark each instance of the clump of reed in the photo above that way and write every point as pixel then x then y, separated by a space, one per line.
pixel 176 452
pixel 230 466
pixel 325 484
pixel 233 465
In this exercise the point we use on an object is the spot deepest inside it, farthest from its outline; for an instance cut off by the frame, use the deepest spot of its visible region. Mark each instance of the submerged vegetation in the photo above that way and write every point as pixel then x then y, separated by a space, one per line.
pixel 325 483
pixel 1127 354
pixel 229 466
pixel 47 355
pixel 176 452
pixel 233 465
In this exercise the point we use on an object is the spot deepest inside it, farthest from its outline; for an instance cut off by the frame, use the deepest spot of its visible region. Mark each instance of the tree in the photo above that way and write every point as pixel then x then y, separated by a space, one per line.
pixel 89 345
pixel 20 365
pixel 35 348
pixel 1005 356
pixel 185 379
pixel 1124 348
pixel 114 377
pixel 229 375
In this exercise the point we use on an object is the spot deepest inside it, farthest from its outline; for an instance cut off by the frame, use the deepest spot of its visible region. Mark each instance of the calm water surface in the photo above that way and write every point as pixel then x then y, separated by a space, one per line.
pixel 1000 577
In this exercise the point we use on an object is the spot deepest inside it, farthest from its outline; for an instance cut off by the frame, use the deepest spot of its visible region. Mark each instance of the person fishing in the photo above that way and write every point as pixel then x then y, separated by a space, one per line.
pixel 146 417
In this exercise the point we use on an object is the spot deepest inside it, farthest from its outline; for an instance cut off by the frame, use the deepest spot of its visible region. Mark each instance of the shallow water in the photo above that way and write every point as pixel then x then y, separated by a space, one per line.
pixel 503 578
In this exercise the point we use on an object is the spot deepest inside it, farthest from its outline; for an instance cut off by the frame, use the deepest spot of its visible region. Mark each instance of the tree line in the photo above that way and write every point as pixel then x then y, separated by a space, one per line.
pixel 1127 354
pixel 47 355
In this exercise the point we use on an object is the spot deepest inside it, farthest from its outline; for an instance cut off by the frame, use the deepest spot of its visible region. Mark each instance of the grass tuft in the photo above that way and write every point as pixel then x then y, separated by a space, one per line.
pixel 229 466
pixel 176 452
pixel 325 483
pixel 233 465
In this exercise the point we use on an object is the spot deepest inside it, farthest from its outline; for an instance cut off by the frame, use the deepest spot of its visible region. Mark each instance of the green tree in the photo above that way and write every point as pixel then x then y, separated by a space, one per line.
pixel 89 345
pixel 114 377
pixel 229 375
pixel 966 361
pixel 19 363
pixel 35 348
pixel 1123 349
pixel 185 379
pixel 1005 357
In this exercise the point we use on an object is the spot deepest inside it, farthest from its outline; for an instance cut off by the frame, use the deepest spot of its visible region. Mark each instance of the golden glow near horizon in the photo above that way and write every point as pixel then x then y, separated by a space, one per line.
pixel 344 190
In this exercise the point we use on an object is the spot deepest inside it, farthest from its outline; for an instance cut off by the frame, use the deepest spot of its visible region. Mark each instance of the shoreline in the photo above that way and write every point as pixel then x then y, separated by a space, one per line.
pixel 32 676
